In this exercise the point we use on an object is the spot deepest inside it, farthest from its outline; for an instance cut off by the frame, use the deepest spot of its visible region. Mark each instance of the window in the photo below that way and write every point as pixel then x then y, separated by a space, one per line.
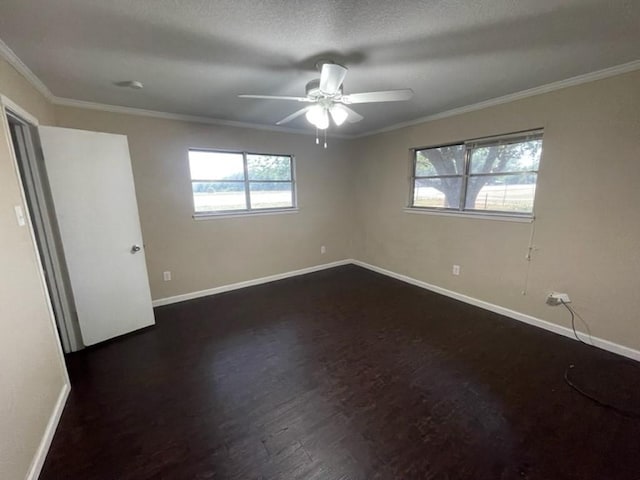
pixel 495 175
pixel 240 182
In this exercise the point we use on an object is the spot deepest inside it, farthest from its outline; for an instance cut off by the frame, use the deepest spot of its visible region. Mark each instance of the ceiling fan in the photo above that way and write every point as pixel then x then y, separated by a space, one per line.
pixel 327 99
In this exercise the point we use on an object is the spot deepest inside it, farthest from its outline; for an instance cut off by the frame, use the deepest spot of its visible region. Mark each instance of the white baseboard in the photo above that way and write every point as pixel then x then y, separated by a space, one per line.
pixel 248 283
pixel 522 317
pixel 47 438
pixel 40 456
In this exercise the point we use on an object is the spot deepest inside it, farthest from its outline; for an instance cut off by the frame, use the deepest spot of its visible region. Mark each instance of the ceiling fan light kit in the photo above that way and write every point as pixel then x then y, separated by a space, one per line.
pixel 317 115
pixel 339 114
pixel 329 102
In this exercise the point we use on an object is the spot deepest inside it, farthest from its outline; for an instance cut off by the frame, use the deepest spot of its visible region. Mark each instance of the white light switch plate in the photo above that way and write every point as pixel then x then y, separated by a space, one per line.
pixel 20 215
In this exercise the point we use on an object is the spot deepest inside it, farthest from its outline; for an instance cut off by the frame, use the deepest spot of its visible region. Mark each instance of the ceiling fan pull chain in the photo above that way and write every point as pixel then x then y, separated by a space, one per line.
pixel 325 138
pixel 317 139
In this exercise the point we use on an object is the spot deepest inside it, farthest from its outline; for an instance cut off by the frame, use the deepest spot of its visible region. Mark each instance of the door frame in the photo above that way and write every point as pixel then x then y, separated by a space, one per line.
pixel 41 220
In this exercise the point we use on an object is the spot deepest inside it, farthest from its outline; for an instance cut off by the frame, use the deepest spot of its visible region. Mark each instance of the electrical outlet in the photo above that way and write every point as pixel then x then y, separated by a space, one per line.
pixel 323 249
pixel 557 298
pixel 456 270
pixel 166 276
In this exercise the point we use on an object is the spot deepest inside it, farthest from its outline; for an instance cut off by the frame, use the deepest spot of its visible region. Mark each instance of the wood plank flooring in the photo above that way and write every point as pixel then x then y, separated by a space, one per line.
pixel 341 374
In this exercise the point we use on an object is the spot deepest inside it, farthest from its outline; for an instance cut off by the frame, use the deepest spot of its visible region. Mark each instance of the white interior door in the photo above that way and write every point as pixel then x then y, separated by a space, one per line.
pixel 94 198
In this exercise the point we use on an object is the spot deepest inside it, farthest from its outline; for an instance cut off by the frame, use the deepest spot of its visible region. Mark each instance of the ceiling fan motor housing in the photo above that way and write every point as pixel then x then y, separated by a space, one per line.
pixel 313 91
pixel 327 98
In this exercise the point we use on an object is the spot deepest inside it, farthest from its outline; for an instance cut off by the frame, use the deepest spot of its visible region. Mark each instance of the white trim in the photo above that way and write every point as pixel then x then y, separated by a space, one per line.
pixel 70 102
pixel 45 443
pixel 19 65
pixel 549 87
pixel 47 437
pixel 248 283
pixel 479 216
pixel 542 89
pixel 522 317
pixel 7 103
pixel 10 56
pixel 244 213
pixel 34 243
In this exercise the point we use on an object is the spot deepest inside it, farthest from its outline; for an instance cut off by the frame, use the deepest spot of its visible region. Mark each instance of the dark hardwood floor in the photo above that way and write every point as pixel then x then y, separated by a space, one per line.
pixel 341 374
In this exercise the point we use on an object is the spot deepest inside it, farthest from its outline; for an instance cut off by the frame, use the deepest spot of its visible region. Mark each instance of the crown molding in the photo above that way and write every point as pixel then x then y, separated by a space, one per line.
pixel 550 87
pixel 70 102
pixel 19 65
pixel 10 56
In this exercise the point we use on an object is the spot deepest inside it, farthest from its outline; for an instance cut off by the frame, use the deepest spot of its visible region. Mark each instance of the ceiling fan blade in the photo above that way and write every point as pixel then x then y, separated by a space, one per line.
pixel 373 97
pixel 294 115
pixel 277 97
pixel 331 77
pixel 353 116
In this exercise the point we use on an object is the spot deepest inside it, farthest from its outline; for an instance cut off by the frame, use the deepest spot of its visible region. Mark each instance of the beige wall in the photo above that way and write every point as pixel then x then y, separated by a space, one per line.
pixel 31 369
pixel 351 199
pixel 586 230
pixel 209 253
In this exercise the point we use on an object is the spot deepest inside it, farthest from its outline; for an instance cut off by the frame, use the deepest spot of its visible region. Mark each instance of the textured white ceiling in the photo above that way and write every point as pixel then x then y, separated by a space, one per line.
pixel 196 56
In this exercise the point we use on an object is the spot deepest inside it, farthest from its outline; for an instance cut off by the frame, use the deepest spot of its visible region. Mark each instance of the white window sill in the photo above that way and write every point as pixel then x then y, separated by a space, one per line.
pixel 240 214
pixel 479 216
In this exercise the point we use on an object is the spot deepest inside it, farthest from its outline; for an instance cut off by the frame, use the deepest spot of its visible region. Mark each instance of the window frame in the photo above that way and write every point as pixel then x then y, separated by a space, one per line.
pixel 249 211
pixel 469 146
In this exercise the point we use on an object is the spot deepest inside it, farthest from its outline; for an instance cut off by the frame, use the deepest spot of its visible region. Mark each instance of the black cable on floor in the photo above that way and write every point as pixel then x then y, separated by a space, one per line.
pixel 626 413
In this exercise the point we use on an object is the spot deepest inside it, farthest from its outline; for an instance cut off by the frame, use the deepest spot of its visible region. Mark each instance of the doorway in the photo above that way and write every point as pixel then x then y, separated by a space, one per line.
pixel 28 154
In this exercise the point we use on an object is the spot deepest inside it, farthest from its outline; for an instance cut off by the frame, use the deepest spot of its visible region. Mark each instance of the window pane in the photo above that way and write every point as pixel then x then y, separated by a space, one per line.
pixel 215 165
pixel 440 161
pixel 268 167
pixel 513 157
pixel 437 192
pixel 271 195
pixel 218 196
pixel 503 193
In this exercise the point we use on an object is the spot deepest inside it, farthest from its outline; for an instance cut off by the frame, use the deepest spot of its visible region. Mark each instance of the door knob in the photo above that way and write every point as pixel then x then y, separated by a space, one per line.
pixel 135 248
